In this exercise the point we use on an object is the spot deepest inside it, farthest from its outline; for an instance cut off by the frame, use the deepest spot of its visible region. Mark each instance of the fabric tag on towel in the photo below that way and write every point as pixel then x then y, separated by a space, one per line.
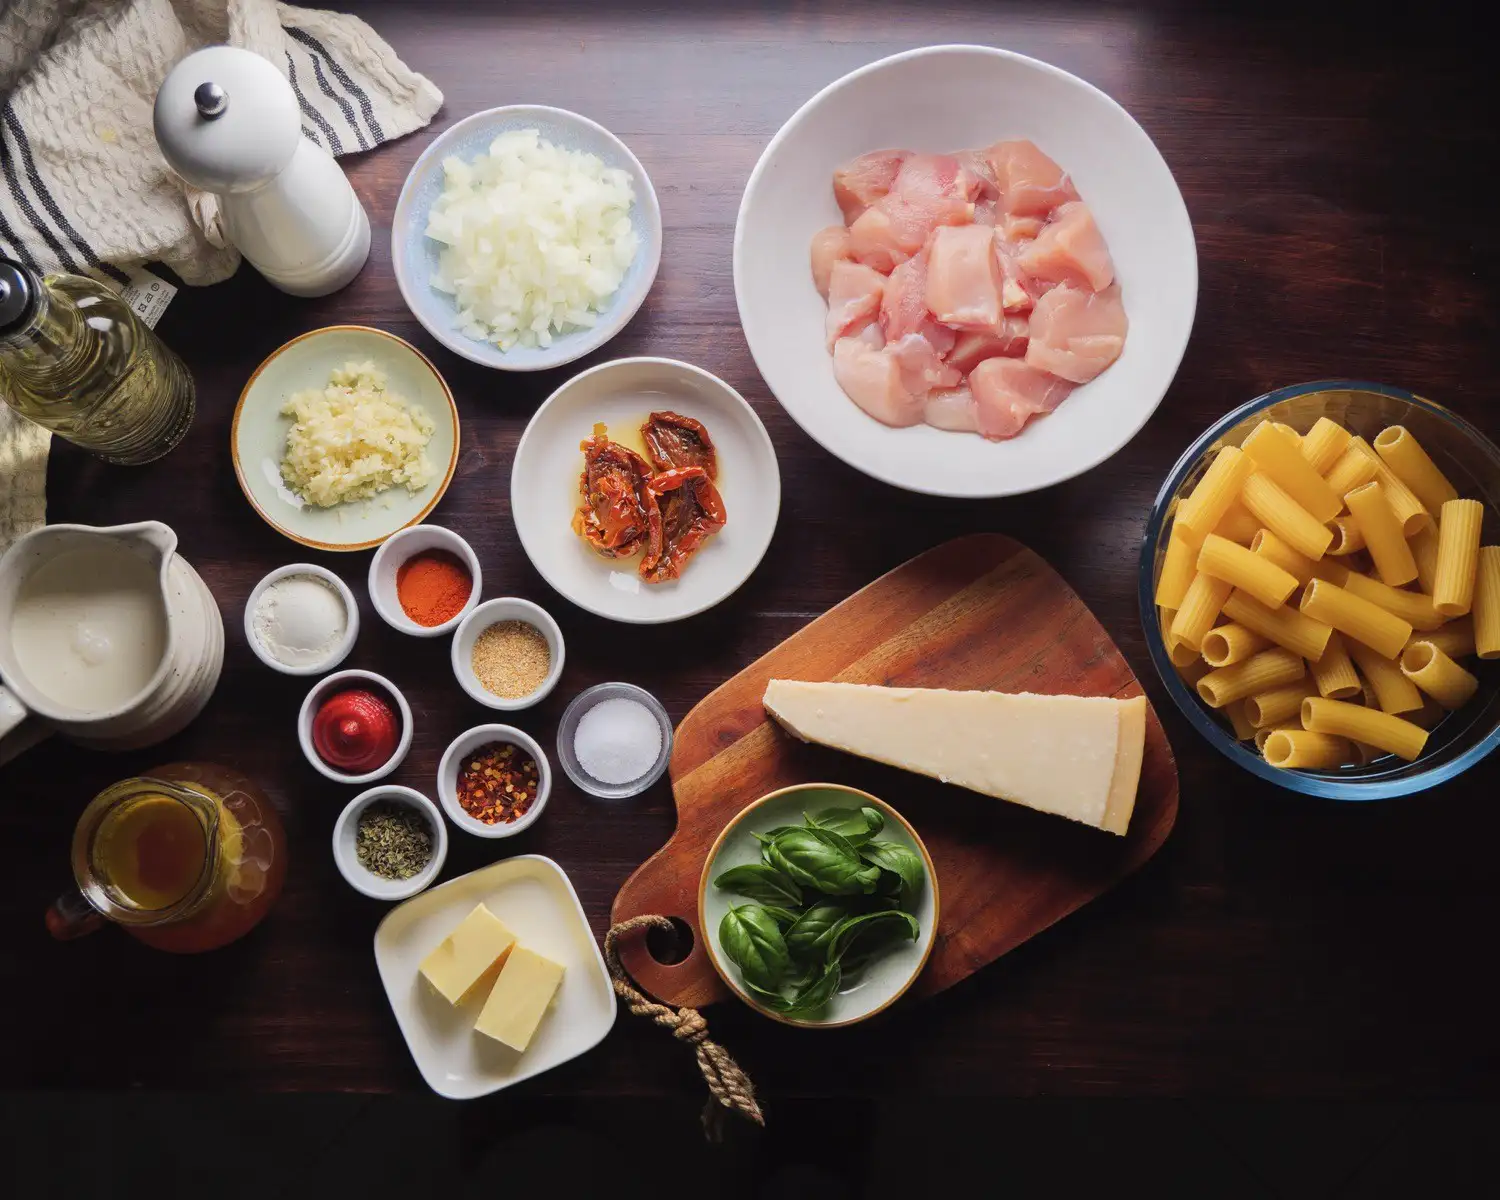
pixel 147 295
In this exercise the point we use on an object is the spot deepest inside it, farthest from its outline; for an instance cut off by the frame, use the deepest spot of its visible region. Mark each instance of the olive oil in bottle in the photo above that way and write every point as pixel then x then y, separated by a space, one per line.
pixel 76 360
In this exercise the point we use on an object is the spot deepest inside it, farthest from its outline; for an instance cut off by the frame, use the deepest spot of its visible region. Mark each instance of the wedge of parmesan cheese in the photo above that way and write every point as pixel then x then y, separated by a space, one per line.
pixel 1075 756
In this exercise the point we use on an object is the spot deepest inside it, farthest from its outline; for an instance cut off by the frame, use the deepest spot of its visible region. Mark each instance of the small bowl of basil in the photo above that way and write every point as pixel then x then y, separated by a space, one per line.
pixel 818 905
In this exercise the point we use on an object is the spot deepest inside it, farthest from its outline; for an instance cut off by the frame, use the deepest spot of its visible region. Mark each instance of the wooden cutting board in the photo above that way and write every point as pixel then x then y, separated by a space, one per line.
pixel 977 612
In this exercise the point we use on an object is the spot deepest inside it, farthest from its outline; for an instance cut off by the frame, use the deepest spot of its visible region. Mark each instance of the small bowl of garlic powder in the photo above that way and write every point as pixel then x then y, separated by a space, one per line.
pixel 526 237
pixel 301 619
pixel 508 653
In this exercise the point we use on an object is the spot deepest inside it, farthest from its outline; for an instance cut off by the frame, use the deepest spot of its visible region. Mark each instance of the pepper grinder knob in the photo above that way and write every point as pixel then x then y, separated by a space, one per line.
pixel 211 99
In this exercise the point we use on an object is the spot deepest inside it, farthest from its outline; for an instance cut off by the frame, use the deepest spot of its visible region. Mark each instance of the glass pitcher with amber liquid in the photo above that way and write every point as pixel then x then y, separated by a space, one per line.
pixel 186 858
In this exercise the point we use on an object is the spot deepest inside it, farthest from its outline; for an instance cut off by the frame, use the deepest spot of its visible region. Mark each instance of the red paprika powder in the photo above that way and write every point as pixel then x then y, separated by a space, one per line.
pixel 433 586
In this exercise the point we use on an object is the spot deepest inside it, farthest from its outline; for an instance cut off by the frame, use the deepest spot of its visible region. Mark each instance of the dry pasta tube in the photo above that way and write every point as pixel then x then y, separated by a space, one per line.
pixel 1455 639
pixel 1407 461
pixel 1457 557
pixel 1384 538
pixel 1193 672
pixel 1180 653
pixel 1410 511
pixel 1394 692
pixel 1228 644
pixel 1246 570
pixel 1258 673
pixel 1347 536
pixel 1287 431
pixel 1353 469
pixel 1412 607
pixel 1286 626
pixel 1356 617
pixel 1487 603
pixel 1360 724
pixel 1284 517
pixel 1268 545
pixel 1438 675
pixel 1200 608
pixel 1324 444
pixel 1237 524
pixel 1300 749
pixel 1214 493
pixel 1243 730
pixel 1262 736
pixel 1334 673
pixel 1176 571
pixel 1279 706
pixel 1279 458
pixel 1424 548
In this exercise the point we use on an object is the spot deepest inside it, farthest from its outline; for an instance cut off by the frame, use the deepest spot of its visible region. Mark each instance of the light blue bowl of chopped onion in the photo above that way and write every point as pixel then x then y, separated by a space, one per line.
pixel 488 295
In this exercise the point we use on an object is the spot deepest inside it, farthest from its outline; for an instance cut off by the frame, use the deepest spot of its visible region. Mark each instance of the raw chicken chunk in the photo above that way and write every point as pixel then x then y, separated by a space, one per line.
pixel 854 293
pixel 1018 290
pixel 952 409
pixel 1030 183
pixel 828 247
pixel 922 369
pixel 1009 392
pixel 860 183
pixel 1069 250
pixel 930 190
pixel 1016 230
pixel 1008 339
pixel 903 306
pixel 1076 334
pixel 963 277
pixel 873 241
pixel 873 380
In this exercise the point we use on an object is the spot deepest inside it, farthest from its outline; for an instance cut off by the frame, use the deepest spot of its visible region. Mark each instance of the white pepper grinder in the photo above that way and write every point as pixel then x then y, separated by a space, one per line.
pixel 227 121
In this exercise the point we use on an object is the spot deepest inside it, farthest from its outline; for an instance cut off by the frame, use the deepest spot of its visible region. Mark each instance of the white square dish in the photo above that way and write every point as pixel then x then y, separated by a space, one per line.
pixel 534 896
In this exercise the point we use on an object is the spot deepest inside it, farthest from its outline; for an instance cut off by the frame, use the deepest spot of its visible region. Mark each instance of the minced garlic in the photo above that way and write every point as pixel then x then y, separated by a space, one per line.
pixel 354 439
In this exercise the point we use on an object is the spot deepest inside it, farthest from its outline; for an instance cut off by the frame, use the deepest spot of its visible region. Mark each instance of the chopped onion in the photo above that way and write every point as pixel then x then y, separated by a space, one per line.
pixel 536 239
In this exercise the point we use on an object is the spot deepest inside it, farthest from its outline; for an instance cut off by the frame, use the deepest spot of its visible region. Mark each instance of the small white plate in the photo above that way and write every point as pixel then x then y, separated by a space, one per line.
pixel 941 98
pixel 535 898
pixel 621 394
pixel 415 256
pixel 257 437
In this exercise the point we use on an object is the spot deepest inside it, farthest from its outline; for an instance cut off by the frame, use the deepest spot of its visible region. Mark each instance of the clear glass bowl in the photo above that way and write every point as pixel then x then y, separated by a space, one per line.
pixel 1468 458
pixel 568 726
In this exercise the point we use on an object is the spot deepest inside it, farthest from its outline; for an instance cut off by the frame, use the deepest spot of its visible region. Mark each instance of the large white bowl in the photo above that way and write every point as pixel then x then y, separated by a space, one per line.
pixel 415 256
pixel 944 98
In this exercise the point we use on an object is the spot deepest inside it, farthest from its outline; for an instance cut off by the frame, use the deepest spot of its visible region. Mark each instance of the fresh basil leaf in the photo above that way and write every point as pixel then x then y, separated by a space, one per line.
pixel 761 883
pixel 752 940
pixel 822 860
pixel 902 861
pixel 816 992
pixel 860 934
pixel 770 835
pixel 784 917
pixel 807 940
pixel 857 825
pixel 775 1001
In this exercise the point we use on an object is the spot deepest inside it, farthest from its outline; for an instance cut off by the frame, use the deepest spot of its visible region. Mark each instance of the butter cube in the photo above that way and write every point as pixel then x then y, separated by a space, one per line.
pixel 470 957
pixel 520 998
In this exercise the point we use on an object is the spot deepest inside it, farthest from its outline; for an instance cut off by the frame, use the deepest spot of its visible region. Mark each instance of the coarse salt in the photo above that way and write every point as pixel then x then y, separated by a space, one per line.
pixel 617 741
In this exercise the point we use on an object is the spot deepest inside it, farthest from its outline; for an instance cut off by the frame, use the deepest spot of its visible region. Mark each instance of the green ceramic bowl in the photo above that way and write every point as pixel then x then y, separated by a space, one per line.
pixel 883 981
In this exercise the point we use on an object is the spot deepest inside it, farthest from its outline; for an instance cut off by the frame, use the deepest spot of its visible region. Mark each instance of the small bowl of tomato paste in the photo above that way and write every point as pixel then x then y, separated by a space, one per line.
pixel 355 726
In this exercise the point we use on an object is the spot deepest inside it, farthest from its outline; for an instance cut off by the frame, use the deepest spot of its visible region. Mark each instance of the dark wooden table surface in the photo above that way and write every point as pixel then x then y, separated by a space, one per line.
pixel 1278 945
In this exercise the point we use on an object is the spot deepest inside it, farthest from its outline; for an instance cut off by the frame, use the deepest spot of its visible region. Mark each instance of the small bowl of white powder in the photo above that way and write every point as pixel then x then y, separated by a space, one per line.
pixel 301 619
pixel 614 740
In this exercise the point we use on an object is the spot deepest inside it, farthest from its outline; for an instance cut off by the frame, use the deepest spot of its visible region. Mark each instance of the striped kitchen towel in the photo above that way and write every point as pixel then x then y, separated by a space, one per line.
pixel 83 187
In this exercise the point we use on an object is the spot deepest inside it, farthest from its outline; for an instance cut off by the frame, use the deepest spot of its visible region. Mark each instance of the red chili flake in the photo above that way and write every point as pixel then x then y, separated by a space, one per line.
pixel 497 783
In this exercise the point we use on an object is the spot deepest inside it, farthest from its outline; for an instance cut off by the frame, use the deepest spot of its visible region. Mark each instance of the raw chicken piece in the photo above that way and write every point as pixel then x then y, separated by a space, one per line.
pixel 977 166
pixel 858 184
pixel 873 241
pixel 1069 250
pixel 903 306
pixel 1009 392
pixel 854 293
pixel 922 369
pixel 952 409
pixel 1075 333
pixel 828 247
pixel 873 380
pixel 1030 183
pixel 987 212
pixel 1008 339
pixel 930 190
pixel 963 277
pixel 1018 291
pixel 1016 230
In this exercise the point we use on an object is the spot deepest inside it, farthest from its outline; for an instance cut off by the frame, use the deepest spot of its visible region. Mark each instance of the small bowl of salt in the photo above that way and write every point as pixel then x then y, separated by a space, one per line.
pixel 614 740
pixel 301 619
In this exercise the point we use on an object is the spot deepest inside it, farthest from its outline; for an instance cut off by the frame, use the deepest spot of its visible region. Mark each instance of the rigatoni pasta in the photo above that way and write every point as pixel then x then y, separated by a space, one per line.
pixel 1353 469
pixel 1284 517
pixel 1455 639
pixel 1258 673
pixel 1243 730
pixel 1394 692
pixel 1384 538
pixel 1360 724
pixel 1302 749
pixel 1286 626
pixel 1412 607
pixel 1410 511
pixel 1279 458
pixel 1334 673
pixel 1323 445
pixel 1278 706
pixel 1424 548
pixel 1214 493
pixel 1487 603
pixel 1200 607
pixel 1246 570
pixel 1237 524
pixel 1459 528
pixel 1176 571
pixel 1406 459
pixel 1438 675
pixel 1268 545
pixel 1347 535
pixel 1227 644
pixel 1355 616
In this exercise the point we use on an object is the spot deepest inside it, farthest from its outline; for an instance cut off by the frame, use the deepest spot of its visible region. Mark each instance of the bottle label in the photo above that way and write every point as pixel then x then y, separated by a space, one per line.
pixel 147 295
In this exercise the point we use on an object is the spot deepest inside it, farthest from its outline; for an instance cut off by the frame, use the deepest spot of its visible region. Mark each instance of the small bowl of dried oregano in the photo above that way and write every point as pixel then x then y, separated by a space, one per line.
pixel 390 842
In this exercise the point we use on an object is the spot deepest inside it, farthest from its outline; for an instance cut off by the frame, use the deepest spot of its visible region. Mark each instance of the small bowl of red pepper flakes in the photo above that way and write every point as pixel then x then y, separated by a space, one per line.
pixel 493 780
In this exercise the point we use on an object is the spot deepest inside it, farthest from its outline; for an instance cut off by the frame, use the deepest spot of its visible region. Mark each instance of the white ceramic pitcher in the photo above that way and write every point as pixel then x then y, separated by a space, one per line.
pixel 183 680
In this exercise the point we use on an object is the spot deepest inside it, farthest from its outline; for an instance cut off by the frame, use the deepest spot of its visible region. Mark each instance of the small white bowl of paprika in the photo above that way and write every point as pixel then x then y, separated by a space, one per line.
pixel 424 580
pixel 474 773
pixel 354 726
